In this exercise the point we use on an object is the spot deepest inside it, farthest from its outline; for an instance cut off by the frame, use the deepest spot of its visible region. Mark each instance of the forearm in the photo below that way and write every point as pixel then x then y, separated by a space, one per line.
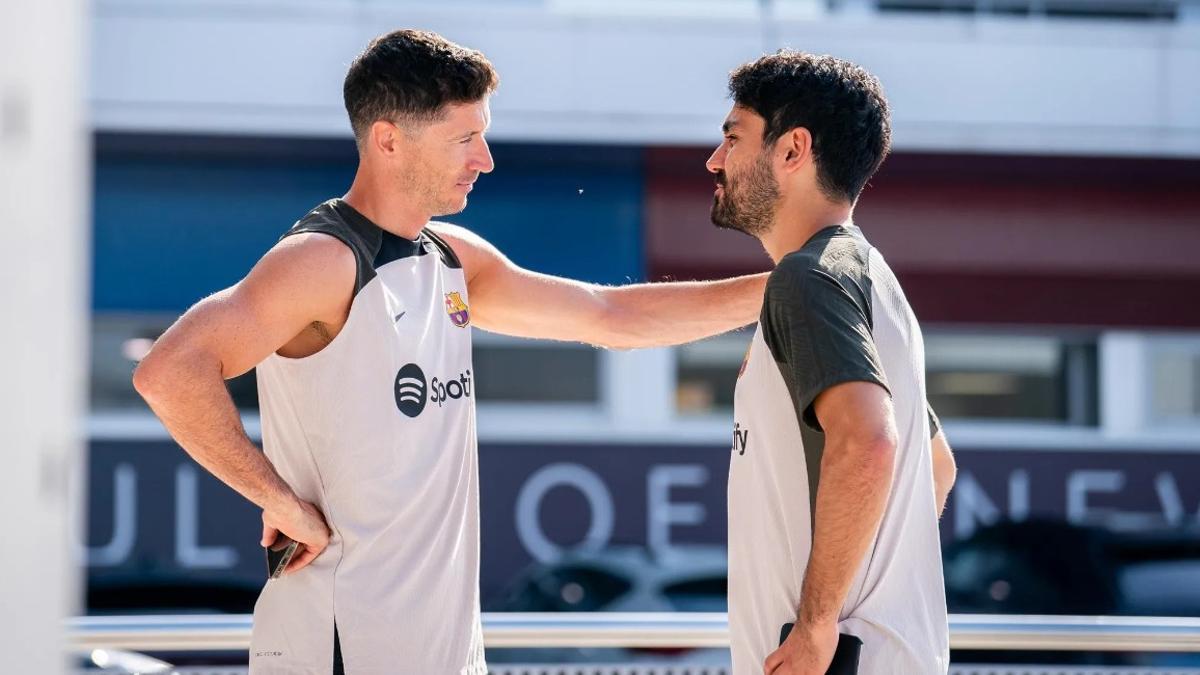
pixel 189 396
pixel 854 488
pixel 669 313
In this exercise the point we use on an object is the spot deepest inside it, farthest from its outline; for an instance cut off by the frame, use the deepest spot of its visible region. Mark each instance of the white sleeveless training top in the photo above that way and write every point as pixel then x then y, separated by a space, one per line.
pixel 833 312
pixel 378 430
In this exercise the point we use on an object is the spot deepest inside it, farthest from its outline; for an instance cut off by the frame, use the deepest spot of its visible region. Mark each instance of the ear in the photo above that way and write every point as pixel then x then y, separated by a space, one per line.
pixel 385 137
pixel 795 149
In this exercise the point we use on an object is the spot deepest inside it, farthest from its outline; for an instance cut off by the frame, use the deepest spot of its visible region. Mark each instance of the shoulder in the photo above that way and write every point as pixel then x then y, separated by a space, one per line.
pixel 473 251
pixel 310 268
pixel 459 237
pixel 794 270
pixel 832 269
pixel 340 221
pixel 314 251
pixel 797 279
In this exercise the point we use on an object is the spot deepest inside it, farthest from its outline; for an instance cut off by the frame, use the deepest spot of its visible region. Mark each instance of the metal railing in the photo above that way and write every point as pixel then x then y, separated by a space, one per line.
pixel 636 629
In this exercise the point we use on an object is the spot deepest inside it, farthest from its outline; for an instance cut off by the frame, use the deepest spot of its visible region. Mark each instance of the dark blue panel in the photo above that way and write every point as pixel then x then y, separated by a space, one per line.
pixel 171 228
pixel 168 232
pixel 531 208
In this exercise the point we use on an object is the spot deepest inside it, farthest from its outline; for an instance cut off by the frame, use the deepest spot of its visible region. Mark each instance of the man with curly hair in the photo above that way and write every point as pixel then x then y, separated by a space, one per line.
pixel 839 471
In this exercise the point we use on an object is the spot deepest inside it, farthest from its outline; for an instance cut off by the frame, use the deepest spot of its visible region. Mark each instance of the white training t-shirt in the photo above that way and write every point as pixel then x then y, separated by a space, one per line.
pixel 833 313
pixel 378 430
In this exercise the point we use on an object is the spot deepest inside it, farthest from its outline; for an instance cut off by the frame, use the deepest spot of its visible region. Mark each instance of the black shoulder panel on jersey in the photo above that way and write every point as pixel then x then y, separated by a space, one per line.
pixel 373 246
pixel 337 219
pixel 449 259
pixel 393 248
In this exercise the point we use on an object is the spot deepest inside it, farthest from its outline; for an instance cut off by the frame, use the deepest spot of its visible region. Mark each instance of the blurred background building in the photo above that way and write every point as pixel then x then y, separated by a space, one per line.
pixel 1041 208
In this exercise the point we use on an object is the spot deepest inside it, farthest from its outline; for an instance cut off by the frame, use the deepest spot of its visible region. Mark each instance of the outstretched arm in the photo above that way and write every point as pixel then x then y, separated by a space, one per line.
pixel 508 299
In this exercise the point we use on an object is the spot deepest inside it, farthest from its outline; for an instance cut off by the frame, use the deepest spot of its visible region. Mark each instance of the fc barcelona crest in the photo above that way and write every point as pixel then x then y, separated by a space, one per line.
pixel 457 309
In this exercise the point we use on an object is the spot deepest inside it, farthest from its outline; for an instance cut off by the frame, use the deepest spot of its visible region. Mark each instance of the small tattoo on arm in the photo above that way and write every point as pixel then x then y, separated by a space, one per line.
pixel 320 330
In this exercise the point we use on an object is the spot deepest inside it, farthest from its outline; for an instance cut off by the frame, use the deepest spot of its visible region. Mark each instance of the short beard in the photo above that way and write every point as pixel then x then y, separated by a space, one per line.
pixel 449 208
pixel 419 184
pixel 749 202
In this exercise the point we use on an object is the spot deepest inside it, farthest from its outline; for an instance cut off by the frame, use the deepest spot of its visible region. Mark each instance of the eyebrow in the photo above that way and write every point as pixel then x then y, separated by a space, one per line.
pixel 729 124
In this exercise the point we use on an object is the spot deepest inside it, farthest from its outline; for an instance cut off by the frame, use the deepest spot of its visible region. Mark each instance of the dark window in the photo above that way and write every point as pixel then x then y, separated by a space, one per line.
pixel 538 372
pixel 706 373
pixel 1012 377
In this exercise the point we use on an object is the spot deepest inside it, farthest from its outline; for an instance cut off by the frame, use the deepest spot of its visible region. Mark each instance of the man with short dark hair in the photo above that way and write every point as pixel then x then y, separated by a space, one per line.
pixel 358 323
pixel 834 483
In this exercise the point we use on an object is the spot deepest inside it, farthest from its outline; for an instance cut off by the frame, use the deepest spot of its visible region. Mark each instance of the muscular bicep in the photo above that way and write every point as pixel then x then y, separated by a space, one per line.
pixel 306 278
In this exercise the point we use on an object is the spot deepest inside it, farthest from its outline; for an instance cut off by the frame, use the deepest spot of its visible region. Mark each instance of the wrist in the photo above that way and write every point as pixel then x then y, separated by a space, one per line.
pixel 814 617
pixel 281 500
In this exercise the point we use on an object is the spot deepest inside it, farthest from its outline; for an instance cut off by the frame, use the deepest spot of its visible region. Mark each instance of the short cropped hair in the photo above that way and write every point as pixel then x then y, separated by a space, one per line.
pixel 411 76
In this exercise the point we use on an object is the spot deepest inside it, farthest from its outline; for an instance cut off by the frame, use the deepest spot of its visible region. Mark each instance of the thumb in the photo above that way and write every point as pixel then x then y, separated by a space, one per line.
pixel 774 660
pixel 269 535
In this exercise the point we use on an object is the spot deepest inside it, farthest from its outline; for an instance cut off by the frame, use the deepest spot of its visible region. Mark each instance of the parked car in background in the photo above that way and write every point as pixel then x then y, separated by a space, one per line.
pixel 1053 567
pixel 619 579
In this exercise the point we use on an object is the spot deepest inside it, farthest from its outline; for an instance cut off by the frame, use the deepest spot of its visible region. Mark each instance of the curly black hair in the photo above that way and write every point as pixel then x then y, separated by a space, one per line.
pixel 841 105
pixel 413 75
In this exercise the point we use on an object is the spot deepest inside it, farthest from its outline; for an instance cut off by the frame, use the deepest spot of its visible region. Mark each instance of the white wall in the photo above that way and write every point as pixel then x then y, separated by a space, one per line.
pixel 43 297
pixel 651 73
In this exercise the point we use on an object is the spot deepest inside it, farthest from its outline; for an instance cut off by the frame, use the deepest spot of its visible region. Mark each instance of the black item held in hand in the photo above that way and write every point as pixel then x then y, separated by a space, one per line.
pixel 279 554
pixel 845 657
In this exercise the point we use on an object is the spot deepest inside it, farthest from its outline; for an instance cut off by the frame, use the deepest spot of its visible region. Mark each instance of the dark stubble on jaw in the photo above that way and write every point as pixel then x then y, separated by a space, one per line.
pixel 450 207
pixel 748 202
pixel 421 182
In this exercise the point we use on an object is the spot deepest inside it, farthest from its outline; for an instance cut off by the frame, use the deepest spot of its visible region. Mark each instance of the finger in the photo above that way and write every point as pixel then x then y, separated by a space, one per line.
pixel 305 554
pixel 269 535
pixel 773 660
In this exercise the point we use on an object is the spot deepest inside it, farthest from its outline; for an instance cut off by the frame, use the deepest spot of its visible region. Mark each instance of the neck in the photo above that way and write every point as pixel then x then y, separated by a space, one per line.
pixel 797 222
pixel 385 207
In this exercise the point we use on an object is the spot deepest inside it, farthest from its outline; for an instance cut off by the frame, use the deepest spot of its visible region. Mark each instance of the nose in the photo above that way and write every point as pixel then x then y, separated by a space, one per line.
pixel 483 162
pixel 716 162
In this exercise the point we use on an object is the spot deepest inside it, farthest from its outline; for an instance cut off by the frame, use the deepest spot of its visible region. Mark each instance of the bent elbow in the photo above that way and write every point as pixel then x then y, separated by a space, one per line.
pixel 145 378
pixel 151 375
pixel 876 456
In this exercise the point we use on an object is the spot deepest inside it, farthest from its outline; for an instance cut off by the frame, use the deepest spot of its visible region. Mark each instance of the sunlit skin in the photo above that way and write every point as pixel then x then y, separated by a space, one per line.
pixel 412 171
